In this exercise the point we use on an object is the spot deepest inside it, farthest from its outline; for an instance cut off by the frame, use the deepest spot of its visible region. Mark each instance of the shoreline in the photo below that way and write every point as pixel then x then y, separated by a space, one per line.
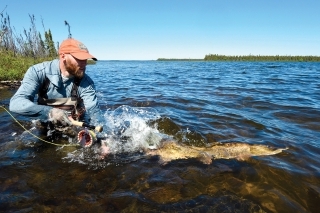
pixel 10 84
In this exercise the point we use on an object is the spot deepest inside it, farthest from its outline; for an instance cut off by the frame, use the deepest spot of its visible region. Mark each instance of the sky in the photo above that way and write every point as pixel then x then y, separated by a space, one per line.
pixel 152 29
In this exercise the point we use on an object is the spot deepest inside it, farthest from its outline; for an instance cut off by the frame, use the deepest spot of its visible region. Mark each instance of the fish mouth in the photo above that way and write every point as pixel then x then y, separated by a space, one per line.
pixel 85 138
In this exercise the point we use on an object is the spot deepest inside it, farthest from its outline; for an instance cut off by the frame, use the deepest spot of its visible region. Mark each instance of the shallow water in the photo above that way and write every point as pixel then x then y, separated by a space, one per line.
pixel 195 103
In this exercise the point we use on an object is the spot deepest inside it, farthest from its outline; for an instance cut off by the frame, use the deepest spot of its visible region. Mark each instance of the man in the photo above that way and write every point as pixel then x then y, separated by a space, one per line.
pixel 64 90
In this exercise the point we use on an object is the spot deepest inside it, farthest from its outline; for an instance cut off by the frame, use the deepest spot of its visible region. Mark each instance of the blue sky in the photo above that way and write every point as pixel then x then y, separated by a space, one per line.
pixel 152 29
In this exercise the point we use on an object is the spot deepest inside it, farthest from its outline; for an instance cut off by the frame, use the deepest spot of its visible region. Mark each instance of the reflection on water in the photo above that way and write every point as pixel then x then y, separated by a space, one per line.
pixel 144 103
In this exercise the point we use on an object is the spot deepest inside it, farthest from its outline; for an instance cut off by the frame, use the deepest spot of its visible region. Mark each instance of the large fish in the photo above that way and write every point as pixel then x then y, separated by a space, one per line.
pixel 171 150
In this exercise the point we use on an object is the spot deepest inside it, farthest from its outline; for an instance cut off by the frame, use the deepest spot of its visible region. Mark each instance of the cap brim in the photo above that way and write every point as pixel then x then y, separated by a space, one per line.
pixel 83 56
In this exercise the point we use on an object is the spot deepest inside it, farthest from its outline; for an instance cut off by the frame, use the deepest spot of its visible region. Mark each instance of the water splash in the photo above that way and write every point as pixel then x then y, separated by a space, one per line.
pixel 129 129
pixel 126 130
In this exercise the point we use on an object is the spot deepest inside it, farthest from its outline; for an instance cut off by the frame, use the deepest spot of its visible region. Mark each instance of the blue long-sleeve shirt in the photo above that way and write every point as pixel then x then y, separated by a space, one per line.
pixel 23 101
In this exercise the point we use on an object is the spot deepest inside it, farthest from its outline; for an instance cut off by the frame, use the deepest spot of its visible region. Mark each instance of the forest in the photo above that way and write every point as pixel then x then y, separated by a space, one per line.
pixel 216 57
pixel 271 58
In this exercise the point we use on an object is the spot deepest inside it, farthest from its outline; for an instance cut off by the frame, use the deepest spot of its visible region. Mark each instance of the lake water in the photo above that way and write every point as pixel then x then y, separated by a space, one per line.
pixel 194 103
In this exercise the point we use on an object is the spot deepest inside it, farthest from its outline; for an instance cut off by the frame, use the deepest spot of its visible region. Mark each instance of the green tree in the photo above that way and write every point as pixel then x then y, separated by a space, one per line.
pixel 49 43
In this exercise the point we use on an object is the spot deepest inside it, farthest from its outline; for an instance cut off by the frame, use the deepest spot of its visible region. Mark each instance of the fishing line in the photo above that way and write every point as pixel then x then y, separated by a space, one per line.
pixel 56 144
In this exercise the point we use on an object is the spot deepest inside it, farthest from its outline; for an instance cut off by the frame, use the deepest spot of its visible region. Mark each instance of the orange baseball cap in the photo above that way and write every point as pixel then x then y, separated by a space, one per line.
pixel 76 49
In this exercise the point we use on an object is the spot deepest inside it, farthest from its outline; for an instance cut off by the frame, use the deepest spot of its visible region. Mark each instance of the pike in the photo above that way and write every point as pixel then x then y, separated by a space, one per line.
pixel 171 150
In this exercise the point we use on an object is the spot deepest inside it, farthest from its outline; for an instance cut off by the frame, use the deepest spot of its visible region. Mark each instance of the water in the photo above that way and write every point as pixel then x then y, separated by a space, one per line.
pixel 194 103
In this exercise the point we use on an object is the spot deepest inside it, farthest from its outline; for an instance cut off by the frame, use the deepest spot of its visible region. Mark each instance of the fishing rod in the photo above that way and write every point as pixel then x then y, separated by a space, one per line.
pixel 83 124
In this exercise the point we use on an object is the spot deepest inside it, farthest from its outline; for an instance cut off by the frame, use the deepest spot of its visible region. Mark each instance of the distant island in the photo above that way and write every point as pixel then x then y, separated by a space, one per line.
pixel 216 57
pixel 178 59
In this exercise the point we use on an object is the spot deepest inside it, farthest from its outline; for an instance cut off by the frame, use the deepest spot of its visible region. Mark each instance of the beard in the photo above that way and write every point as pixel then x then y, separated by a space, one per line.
pixel 74 70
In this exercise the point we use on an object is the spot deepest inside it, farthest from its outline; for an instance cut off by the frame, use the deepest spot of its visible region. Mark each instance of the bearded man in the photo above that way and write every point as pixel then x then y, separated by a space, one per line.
pixel 64 90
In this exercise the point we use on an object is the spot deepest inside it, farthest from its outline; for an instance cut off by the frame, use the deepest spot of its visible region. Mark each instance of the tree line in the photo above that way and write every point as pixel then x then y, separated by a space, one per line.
pixel 216 57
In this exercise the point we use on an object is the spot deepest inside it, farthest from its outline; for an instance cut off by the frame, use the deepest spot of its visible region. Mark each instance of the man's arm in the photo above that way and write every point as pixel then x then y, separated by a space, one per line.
pixel 23 100
pixel 90 101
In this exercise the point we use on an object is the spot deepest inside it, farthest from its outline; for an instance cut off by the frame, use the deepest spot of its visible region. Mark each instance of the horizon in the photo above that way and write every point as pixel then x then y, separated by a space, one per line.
pixel 149 30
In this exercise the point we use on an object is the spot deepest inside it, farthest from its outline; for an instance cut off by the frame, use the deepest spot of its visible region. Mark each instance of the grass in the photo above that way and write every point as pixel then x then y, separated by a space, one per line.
pixel 13 67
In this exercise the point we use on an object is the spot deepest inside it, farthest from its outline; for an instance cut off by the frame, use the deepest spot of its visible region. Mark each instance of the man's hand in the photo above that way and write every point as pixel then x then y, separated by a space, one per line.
pixel 58 116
